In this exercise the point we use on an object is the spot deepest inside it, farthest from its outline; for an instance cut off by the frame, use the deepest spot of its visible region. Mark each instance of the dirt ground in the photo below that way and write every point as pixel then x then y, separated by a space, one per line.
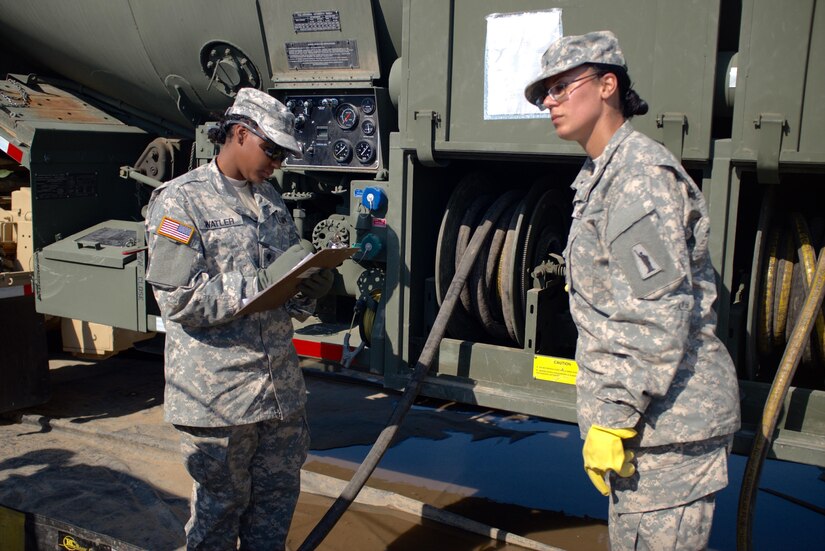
pixel 98 455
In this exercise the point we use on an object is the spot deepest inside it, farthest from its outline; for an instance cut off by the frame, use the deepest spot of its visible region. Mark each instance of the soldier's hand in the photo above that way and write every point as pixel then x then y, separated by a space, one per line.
pixel 603 451
pixel 317 285
pixel 284 263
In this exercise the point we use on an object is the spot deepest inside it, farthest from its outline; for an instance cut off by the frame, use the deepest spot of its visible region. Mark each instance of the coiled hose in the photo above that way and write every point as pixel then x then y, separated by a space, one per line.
pixel 382 443
pixel 773 405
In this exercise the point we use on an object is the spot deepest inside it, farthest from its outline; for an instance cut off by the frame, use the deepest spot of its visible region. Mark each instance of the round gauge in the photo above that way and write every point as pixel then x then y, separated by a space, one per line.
pixel 368 106
pixel 342 151
pixel 365 152
pixel 346 117
pixel 368 127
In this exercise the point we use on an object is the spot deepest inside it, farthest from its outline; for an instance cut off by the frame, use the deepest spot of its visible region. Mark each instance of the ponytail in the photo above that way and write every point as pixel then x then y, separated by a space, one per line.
pixel 218 134
pixel 633 104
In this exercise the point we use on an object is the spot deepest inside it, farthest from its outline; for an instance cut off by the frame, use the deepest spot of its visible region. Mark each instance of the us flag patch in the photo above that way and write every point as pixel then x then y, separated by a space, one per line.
pixel 177 231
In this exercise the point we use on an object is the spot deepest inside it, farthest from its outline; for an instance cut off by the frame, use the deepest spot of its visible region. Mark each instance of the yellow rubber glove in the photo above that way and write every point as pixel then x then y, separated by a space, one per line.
pixel 603 451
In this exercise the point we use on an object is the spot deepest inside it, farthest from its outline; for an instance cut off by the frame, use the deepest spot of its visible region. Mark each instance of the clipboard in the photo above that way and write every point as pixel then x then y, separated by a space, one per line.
pixel 285 288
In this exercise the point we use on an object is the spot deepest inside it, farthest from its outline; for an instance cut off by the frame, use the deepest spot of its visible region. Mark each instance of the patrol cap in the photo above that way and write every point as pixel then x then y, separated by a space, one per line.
pixel 569 52
pixel 271 116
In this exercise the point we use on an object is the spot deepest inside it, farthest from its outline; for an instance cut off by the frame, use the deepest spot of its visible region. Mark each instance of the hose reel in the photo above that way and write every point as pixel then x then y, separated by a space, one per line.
pixel 804 328
pixel 529 232
pixel 368 313
pixel 782 278
pixel 370 284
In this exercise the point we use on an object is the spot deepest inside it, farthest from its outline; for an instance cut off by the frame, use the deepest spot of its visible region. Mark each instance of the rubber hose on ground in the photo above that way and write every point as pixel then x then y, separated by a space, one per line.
pixel 421 368
pixel 773 405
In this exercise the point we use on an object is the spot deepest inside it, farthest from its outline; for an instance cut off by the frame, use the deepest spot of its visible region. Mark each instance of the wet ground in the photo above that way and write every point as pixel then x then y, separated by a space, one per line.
pixel 99 456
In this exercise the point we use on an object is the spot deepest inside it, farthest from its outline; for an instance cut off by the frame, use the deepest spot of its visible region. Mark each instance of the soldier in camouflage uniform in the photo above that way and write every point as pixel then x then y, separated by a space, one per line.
pixel 217 235
pixel 657 395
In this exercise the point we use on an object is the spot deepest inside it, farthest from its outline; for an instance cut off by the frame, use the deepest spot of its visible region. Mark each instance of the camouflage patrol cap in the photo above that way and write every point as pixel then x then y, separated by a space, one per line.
pixel 271 116
pixel 569 52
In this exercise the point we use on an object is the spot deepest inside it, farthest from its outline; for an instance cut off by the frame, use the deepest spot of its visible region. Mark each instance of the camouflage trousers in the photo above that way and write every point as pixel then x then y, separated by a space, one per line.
pixel 247 482
pixel 669 502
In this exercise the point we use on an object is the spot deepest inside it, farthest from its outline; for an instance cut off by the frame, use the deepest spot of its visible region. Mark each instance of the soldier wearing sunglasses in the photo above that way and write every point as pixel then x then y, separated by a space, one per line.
pixel 217 235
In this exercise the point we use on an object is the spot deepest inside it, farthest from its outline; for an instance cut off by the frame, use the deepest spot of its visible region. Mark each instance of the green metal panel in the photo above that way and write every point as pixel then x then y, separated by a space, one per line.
pixel 721 190
pixel 311 41
pixel 75 179
pixel 102 281
pixel 397 281
pixel 672 63
pixel 47 108
pixel 779 113
pixel 426 67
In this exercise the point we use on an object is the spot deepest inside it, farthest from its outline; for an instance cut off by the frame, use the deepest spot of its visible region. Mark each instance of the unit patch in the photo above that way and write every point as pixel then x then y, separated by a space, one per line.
pixel 645 263
pixel 176 231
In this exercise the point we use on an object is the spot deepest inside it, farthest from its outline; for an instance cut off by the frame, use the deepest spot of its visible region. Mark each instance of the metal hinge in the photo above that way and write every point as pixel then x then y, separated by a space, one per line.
pixel 674 126
pixel 425 124
pixel 771 128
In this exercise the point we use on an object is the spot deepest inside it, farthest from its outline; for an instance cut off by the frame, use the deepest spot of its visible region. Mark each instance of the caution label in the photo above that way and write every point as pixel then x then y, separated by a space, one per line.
pixel 556 370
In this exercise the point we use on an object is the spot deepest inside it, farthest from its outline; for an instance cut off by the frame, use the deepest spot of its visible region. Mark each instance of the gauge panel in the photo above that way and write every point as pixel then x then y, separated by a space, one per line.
pixel 336 131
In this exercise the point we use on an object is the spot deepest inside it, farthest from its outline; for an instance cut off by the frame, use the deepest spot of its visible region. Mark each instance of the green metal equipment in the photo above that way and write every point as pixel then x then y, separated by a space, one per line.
pixel 413 125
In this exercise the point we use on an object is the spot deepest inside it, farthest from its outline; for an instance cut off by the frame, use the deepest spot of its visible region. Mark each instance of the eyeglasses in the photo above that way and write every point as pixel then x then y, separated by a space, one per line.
pixel 559 92
pixel 271 150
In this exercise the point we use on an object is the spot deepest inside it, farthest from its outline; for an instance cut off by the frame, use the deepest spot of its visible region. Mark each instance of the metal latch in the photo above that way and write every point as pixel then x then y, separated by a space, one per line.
pixel 425 124
pixel 674 126
pixel 771 128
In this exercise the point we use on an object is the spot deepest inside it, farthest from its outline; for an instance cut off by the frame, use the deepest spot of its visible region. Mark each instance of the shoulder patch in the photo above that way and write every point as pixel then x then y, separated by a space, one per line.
pixel 176 231
pixel 642 255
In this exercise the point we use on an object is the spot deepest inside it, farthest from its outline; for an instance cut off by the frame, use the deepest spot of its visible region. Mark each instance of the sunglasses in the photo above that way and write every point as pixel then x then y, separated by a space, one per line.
pixel 271 150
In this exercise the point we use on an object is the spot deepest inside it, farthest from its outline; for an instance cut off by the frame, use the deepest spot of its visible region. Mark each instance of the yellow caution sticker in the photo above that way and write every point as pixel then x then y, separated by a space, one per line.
pixel 556 370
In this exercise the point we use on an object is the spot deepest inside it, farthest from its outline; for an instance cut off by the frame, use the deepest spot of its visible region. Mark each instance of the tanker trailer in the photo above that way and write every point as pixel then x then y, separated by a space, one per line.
pixel 413 125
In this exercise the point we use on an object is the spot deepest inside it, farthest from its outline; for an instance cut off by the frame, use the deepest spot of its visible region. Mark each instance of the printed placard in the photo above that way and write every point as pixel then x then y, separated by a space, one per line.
pixel 556 370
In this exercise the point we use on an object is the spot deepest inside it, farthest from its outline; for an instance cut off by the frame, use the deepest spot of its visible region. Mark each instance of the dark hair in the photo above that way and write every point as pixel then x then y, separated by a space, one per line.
pixel 217 134
pixel 629 100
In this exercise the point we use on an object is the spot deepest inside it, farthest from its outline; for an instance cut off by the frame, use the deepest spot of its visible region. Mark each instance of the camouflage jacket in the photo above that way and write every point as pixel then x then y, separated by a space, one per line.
pixel 205 248
pixel 642 290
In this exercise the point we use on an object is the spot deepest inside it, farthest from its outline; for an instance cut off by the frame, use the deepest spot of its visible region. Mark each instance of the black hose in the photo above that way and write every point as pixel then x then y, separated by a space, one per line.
pixel 762 439
pixel 389 432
